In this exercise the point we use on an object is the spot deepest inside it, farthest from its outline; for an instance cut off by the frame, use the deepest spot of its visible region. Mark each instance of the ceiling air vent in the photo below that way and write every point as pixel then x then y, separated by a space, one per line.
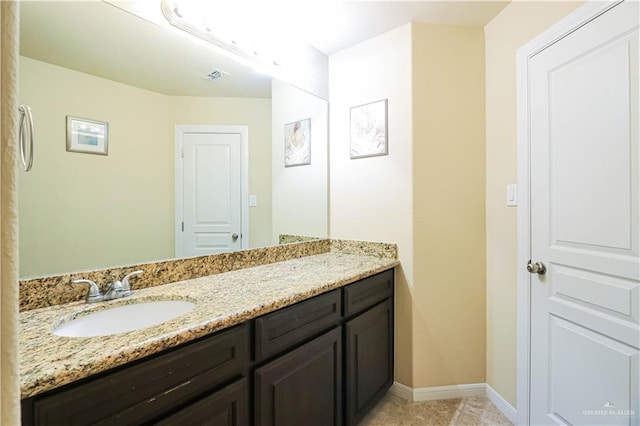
pixel 216 75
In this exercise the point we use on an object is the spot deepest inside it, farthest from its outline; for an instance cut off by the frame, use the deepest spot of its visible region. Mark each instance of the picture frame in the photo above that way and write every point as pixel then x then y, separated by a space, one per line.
pixel 87 136
pixel 368 130
pixel 297 143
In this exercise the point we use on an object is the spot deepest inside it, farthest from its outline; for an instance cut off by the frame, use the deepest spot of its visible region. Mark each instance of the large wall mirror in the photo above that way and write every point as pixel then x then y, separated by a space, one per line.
pixel 95 61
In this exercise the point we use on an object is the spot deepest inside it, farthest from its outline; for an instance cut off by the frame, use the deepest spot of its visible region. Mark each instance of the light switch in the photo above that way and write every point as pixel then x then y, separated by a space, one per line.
pixel 512 194
pixel 253 200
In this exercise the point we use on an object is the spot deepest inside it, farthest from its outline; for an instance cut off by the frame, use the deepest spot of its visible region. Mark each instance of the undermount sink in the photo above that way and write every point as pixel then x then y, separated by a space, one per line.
pixel 124 318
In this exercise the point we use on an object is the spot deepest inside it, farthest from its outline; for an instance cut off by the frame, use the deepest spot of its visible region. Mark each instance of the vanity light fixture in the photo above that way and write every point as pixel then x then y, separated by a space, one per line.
pixel 196 24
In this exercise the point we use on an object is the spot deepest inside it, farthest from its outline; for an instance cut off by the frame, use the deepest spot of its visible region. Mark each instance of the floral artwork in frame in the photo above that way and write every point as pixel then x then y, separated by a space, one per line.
pixel 297 143
pixel 87 136
pixel 368 124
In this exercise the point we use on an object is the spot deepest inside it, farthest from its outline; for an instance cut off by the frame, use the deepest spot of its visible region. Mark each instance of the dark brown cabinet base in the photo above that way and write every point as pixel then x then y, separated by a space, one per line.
pixel 303 387
pixel 369 359
pixel 147 390
pixel 324 361
pixel 226 407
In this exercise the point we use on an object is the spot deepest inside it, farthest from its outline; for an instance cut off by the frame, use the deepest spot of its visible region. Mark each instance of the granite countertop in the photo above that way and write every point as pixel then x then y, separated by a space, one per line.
pixel 48 361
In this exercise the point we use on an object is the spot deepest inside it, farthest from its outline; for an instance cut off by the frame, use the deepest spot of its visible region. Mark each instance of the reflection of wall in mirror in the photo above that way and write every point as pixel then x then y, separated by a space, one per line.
pixel 300 200
pixel 85 212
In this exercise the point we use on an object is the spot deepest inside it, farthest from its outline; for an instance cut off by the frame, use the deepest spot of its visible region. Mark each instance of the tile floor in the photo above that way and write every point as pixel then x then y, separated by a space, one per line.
pixel 395 411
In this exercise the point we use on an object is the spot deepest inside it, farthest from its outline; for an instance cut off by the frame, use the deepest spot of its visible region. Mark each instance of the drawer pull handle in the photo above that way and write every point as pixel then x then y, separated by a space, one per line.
pixel 177 387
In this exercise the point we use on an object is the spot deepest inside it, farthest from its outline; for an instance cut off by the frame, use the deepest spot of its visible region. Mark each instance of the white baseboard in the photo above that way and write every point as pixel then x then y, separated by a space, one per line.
pixel 455 391
pixel 448 392
pixel 502 404
pixel 438 392
pixel 402 391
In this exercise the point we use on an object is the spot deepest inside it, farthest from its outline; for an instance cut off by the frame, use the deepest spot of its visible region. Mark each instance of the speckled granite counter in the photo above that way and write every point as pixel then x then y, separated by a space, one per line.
pixel 222 300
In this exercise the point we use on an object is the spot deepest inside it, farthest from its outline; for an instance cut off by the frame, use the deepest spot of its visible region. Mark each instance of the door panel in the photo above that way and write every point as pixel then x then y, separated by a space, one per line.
pixel 585 189
pixel 577 127
pixel 212 209
pixel 580 358
pixel 599 292
pixel 213 170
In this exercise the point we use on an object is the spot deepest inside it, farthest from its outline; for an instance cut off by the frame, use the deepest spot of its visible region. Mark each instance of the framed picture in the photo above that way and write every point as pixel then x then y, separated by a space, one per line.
pixel 297 143
pixel 369 129
pixel 87 136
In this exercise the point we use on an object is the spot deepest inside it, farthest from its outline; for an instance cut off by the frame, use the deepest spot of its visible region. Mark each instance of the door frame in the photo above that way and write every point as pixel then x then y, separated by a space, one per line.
pixel 581 16
pixel 243 131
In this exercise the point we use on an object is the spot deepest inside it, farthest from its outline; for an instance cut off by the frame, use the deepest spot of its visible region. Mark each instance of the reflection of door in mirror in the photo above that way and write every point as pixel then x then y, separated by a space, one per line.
pixel 211 187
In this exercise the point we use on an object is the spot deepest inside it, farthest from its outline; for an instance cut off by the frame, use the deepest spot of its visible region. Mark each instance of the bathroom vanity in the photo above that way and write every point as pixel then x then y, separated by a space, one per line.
pixel 307 355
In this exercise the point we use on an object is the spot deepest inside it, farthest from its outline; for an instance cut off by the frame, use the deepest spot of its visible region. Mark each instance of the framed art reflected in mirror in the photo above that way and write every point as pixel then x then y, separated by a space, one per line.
pixel 87 136
pixel 297 143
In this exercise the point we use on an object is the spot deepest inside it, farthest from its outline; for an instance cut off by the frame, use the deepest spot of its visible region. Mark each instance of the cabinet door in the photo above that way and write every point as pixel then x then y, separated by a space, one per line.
pixel 369 359
pixel 227 407
pixel 303 387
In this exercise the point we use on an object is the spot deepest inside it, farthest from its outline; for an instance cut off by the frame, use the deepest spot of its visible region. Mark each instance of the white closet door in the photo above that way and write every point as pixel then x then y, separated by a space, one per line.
pixel 585 337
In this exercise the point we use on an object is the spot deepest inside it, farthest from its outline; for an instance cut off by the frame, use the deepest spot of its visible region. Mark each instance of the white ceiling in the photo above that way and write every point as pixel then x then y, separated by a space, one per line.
pixel 347 23
pixel 103 40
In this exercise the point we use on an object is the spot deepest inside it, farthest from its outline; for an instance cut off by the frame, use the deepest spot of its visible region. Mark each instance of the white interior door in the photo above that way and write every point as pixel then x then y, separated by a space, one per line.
pixel 584 189
pixel 210 196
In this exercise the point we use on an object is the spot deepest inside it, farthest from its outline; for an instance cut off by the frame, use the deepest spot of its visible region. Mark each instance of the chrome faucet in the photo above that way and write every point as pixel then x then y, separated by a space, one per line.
pixel 115 289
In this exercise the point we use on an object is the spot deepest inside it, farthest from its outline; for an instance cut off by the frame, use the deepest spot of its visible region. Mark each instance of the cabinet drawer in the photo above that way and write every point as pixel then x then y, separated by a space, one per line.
pixel 227 407
pixel 282 329
pixel 146 390
pixel 367 292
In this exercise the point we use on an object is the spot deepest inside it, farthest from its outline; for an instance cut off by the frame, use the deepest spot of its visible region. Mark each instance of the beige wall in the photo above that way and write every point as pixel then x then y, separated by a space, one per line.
pixel 448 205
pixel 371 198
pixel 427 195
pixel 300 193
pixel 255 113
pixel 519 22
pixel 80 211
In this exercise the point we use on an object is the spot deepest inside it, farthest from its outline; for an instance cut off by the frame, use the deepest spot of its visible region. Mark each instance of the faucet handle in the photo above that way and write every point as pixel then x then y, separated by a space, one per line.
pixel 94 291
pixel 126 287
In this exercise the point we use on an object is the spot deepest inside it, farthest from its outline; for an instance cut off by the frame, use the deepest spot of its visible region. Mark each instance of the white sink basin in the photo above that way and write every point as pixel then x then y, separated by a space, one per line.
pixel 124 318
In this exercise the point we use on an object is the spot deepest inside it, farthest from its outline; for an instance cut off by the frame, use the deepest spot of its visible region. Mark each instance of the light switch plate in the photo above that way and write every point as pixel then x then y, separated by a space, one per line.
pixel 253 200
pixel 512 194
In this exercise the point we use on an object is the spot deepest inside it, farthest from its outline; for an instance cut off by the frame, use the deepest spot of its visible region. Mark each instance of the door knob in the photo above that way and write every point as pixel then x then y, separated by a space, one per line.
pixel 536 268
pixel 234 236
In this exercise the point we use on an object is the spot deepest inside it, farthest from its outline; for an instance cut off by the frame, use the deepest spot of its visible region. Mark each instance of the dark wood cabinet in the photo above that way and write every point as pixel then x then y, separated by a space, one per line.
pixel 367 292
pixel 226 407
pixel 287 327
pixel 148 389
pixel 323 361
pixel 298 388
pixel 303 387
pixel 368 359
